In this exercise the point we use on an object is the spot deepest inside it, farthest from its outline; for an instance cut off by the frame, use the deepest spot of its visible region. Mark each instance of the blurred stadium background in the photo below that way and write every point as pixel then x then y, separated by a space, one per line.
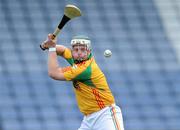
pixel 143 72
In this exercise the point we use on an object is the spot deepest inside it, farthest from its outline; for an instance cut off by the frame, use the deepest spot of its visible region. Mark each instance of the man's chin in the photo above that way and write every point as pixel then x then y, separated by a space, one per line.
pixel 78 60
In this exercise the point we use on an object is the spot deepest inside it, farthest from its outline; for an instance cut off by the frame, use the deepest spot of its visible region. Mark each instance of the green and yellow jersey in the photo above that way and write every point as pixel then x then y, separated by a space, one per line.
pixel 90 85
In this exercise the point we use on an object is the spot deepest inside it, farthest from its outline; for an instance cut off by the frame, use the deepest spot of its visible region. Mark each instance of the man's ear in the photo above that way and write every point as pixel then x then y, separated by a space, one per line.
pixel 88 52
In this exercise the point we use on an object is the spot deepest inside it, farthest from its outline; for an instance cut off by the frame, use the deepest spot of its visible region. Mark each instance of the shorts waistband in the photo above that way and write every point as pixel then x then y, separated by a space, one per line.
pixel 101 110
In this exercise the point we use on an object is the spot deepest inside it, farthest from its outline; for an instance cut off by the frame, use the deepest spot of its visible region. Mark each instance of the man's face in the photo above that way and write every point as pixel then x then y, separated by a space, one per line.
pixel 80 52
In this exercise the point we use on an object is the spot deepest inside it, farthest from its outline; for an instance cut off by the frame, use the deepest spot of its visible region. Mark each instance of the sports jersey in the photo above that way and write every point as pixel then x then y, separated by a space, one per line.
pixel 91 89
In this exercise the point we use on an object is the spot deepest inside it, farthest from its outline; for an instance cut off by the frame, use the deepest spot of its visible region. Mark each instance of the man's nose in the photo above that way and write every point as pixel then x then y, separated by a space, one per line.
pixel 79 51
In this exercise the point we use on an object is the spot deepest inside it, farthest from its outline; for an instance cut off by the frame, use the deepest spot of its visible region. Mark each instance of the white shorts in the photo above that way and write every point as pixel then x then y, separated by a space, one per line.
pixel 109 118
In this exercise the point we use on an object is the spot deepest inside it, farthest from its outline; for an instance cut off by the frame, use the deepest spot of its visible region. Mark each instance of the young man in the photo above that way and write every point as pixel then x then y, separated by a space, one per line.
pixel 93 94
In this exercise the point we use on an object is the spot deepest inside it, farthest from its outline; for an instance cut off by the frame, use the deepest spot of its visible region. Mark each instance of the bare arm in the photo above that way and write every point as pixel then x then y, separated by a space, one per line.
pixel 54 70
pixel 60 49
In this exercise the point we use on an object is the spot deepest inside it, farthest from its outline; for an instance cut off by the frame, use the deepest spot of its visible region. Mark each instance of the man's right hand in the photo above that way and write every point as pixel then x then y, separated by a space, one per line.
pixel 49 42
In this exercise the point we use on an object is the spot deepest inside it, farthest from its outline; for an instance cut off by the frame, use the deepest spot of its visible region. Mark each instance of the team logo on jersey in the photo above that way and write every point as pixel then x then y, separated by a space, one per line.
pixel 76 85
pixel 74 66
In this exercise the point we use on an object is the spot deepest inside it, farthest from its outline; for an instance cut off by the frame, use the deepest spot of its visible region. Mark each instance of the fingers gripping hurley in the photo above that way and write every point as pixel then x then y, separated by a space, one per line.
pixel 70 12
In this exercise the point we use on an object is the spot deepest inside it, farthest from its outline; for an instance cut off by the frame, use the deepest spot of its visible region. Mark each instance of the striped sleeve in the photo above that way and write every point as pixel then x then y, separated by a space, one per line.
pixel 78 71
pixel 68 56
pixel 71 72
